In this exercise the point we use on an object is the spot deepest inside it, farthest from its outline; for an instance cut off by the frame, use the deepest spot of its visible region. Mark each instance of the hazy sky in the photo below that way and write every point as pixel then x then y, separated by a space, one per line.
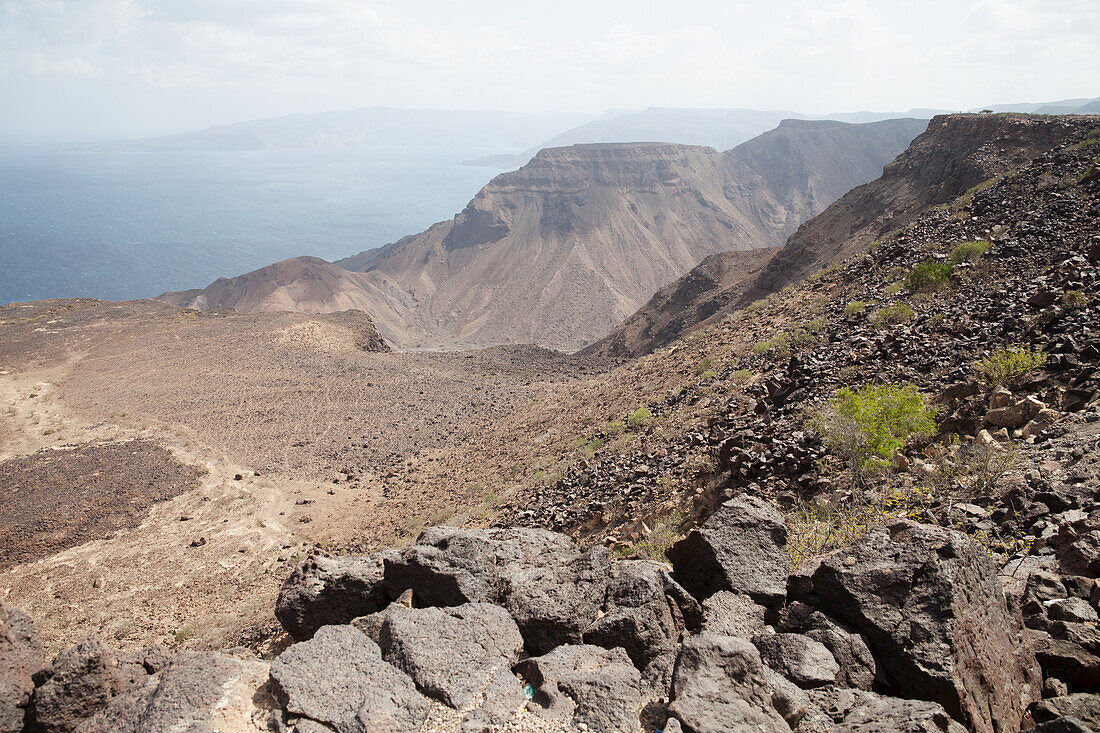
pixel 113 68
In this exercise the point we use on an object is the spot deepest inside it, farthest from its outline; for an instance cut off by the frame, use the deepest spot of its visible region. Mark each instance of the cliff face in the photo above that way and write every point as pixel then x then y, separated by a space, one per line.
pixel 955 153
pixel 561 250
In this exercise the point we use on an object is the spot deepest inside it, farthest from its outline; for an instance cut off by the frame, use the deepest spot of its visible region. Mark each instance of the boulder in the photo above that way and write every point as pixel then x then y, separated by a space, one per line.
pixel 21 658
pixel 1084 707
pixel 339 679
pixel 929 606
pixel 1077 544
pixel 741 548
pixel 1062 725
pixel 733 614
pixel 325 591
pixel 196 692
pixel 803 661
pixel 451 653
pixel 80 682
pixel 876 714
pixel 582 684
pixel 719 685
pixel 640 618
pixel 1067 660
pixel 1015 415
pixel 857 664
pixel 551 588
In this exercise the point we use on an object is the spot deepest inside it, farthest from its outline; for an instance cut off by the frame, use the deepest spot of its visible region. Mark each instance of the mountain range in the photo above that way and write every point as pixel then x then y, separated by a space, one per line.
pixel 560 251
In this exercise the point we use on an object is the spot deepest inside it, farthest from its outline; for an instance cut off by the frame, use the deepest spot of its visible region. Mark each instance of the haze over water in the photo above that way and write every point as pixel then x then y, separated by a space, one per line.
pixel 132 225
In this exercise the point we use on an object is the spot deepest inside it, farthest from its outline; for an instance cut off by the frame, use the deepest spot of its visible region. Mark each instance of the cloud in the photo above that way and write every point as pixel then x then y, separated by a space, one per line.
pixel 255 57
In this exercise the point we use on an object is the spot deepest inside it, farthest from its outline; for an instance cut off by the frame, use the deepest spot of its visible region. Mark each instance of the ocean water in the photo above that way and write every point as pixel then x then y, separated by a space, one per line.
pixel 133 225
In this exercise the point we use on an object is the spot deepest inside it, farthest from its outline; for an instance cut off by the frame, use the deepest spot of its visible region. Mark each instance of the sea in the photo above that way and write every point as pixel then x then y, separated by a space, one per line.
pixel 119 226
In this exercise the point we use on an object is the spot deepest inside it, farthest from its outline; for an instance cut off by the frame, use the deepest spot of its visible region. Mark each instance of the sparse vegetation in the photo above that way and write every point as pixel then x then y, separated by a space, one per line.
pixel 1074 299
pixel 968 252
pixel 1008 364
pixel 893 289
pixel 815 529
pixel 928 276
pixel 741 376
pixel 868 425
pixel 703 366
pixel 893 314
pixel 665 534
pixel 856 306
pixel 639 418
pixel 779 343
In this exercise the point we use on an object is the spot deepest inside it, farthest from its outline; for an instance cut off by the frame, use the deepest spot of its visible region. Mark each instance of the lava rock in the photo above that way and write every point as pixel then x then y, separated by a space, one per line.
pixel 338 678
pixel 1084 707
pixel 586 684
pixel 741 548
pixel 927 602
pixel 325 591
pixel 733 614
pixel 450 653
pixel 719 685
pixel 803 661
pixel 80 682
pixel 21 658
pixel 891 715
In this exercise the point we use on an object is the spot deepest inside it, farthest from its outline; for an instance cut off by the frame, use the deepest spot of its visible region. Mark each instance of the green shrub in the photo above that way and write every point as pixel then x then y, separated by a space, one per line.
pixel 868 425
pixel 708 374
pixel 894 289
pixel 928 275
pixel 893 314
pixel 741 376
pixel 665 534
pixel 816 325
pixel 856 306
pixel 780 343
pixel 968 252
pixel 613 428
pixel 1005 365
pixel 1074 299
pixel 639 418
pixel 703 365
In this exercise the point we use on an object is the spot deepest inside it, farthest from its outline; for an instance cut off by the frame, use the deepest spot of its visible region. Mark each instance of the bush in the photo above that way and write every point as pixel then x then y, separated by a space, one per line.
pixel 741 376
pixel 639 418
pixel 1074 299
pixel 868 425
pixel 780 342
pixel 664 535
pixel 968 252
pixel 1005 365
pixel 856 306
pixel 893 314
pixel 813 530
pixel 928 275
pixel 703 365
pixel 613 428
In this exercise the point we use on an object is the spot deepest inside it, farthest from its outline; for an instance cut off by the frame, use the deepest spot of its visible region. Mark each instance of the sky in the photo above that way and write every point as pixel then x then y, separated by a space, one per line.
pixel 102 69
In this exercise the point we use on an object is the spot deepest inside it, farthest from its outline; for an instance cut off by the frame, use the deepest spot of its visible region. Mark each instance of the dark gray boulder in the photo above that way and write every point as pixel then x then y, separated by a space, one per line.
pixel 875 714
pixel 339 679
pixel 929 606
pixel 741 548
pixel 803 661
pixel 585 684
pixel 1084 707
pixel 857 664
pixel 196 692
pixel 451 653
pixel 551 588
pixel 641 618
pixel 1063 725
pixel 80 682
pixel 733 614
pixel 719 685
pixel 325 591
pixel 21 657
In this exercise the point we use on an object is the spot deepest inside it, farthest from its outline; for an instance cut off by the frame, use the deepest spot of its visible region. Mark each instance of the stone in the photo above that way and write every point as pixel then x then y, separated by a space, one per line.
pixel 1062 725
pixel 585 685
pixel 1000 397
pixel 196 692
pixel 803 661
pixel 1015 415
pixel 1066 660
pixel 325 591
pixel 1076 610
pixel 451 653
pixel 1077 544
pixel 733 614
pixel 80 682
pixel 1082 706
pixel 339 679
pixel 638 617
pixel 741 548
pixel 891 715
pixel 927 602
pixel 551 588
pixel 1040 423
pixel 719 685
pixel 21 658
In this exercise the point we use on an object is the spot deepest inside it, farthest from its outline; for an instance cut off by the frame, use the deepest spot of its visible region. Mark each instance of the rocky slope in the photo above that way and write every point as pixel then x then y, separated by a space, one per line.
pixel 561 250
pixel 955 153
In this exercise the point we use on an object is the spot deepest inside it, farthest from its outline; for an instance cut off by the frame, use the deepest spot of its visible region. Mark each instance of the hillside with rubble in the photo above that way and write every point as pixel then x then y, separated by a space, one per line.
pixel 707 538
